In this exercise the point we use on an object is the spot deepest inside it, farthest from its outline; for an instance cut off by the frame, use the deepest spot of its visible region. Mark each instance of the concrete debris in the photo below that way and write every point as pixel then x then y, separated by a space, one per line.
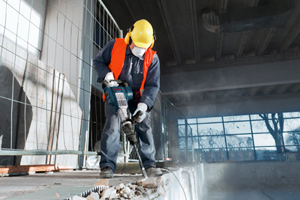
pixel 108 192
pixel 78 198
pixel 120 186
pixel 57 195
pixel 149 183
pixel 93 196
pixel 149 188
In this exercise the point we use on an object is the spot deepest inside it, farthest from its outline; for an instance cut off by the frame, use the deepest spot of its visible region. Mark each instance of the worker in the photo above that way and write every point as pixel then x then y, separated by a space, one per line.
pixel 130 59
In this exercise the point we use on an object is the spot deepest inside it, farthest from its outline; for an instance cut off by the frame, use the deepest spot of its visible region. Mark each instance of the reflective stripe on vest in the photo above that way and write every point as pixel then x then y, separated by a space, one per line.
pixel 118 57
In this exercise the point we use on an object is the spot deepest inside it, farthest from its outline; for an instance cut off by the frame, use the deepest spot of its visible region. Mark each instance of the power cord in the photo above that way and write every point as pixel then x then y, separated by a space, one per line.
pixel 177 180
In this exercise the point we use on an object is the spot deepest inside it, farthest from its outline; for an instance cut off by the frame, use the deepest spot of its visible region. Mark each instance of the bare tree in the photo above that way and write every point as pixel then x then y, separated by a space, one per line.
pixel 277 130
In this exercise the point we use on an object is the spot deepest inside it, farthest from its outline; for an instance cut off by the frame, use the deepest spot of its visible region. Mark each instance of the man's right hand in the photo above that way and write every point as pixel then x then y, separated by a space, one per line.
pixel 109 78
pixel 128 129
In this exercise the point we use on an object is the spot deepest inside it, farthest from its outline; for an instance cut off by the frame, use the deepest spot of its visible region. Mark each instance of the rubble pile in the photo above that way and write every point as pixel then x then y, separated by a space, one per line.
pixel 149 188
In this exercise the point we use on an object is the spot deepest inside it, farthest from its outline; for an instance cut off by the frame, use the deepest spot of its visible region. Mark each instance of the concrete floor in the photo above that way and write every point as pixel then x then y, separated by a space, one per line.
pixel 45 186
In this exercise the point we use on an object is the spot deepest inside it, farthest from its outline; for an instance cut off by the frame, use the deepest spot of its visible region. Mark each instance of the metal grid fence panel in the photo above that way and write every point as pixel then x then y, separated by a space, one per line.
pixel 49 94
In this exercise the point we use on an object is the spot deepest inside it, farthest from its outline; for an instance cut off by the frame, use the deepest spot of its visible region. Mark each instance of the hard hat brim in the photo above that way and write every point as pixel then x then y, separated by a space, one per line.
pixel 142 45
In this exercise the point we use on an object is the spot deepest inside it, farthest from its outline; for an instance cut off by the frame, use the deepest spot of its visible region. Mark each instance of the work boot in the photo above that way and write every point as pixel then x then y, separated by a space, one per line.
pixel 106 172
pixel 153 172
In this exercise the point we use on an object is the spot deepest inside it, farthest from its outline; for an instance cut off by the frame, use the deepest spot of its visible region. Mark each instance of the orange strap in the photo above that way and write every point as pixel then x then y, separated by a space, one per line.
pixel 118 57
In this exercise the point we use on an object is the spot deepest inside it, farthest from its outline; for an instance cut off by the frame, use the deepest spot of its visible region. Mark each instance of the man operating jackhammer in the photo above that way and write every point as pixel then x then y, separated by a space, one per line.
pixel 130 59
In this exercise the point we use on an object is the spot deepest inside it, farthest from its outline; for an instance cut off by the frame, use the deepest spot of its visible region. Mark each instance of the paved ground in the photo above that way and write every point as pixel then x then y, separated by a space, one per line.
pixel 63 183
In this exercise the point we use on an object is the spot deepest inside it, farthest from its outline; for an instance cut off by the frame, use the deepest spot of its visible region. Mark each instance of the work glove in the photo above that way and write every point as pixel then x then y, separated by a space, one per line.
pixel 143 108
pixel 109 78
pixel 128 129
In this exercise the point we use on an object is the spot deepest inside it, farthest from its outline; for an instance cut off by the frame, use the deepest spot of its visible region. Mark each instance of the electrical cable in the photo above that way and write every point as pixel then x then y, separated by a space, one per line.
pixel 177 180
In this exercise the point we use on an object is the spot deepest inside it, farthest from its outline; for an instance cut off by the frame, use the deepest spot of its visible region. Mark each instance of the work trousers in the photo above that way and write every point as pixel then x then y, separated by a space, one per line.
pixel 110 139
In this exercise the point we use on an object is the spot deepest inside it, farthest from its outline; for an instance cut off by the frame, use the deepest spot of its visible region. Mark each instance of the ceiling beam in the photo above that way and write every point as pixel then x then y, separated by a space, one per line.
pixel 268 89
pixel 242 43
pixel 295 88
pixel 193 14
pixel 222 63
pixel 208 101
pixel 252 91
pixel 163 8
pixel 130 10
pixel 222 9
pixel 291 35
pixel 265 40
pixel 244 35
pixel 282 88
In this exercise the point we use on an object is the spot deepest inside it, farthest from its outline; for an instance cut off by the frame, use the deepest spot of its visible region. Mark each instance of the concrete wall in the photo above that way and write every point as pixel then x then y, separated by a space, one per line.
pixel 200 181
pixel 250 176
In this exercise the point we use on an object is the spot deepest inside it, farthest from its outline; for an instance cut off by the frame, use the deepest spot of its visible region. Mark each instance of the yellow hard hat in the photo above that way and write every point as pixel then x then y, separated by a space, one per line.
pixel 141 34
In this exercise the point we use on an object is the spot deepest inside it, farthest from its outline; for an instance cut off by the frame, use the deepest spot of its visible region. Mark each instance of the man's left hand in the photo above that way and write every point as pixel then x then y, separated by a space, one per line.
pixel 143 108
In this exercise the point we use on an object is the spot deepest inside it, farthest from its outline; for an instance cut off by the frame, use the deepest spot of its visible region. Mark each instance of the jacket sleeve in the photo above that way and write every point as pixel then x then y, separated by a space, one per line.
pixel 102 60
pixel 152 83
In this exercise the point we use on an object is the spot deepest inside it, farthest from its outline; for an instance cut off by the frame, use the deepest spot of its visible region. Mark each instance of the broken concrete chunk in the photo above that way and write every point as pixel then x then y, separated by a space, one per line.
pixel 114 196
pixel 120 186
pixel 149 183
pixel 161 191
pixel 93 196
pixel 126 190
pixel 133 187
pixel 109 191
pixel 57 195
pixel 140 182
pixel 78 198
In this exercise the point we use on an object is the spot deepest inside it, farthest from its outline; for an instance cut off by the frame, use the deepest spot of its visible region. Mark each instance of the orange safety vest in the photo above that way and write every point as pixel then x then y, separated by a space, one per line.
pixel 118 58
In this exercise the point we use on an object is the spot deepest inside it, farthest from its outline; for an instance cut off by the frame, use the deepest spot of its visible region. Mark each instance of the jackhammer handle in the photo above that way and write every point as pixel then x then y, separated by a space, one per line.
pixel 120 82
pixel 136 116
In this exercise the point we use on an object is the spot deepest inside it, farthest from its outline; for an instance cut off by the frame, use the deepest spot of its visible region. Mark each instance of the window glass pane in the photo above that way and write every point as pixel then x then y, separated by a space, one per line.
pixel 239 141
pixel 266 153
pixel 293 149
pixel 195 143
pixel 190 142
pixel 240 154
pixel 212 142
pixel 210 129
pixel 255 117
pixel 181 121
pixel 211 155
pixel 192 121
pixel 291 138
pixel 181 131
pixel 291 124
pixel 209 119
pixel 2 13
pixel 189 130
pixel 291 114
pixel 259 126
pixel 263 140
pixel 182 143
pixel 237 127
pixel 236 118
pixel 194 130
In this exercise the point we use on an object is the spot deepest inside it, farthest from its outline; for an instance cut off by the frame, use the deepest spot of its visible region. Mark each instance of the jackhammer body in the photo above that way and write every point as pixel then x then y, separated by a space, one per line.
pixel 118 97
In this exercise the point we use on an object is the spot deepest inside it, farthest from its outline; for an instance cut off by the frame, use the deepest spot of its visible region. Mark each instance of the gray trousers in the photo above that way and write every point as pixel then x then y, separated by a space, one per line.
pixel 110 139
